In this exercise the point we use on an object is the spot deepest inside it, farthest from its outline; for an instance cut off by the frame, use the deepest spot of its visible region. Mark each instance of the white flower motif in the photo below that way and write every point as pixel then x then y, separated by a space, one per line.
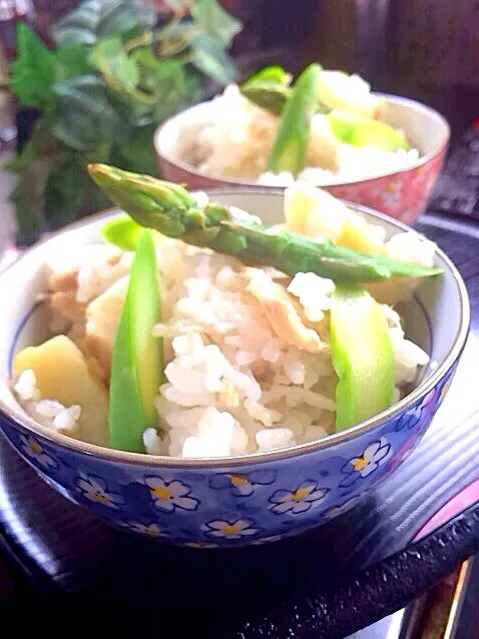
pixel 242 485
pixel 390 195
pixel 152 530
pixel 34 450
pixel 95 489
pixel 168 496
pixel 230 529
pixel 306 496
pixel 409 420
pixel 362 466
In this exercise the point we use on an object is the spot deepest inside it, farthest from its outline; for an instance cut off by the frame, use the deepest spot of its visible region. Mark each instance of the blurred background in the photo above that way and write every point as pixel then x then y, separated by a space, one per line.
pixel 415 48
pixel 416 45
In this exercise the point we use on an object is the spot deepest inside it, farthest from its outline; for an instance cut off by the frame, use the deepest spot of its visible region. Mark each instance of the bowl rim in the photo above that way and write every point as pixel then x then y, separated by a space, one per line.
pixel 226 182
pixel 20 417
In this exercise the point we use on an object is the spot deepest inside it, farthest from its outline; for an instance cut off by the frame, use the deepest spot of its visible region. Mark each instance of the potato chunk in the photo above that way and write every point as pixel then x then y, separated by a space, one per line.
pixel 103 316
pixel 62 374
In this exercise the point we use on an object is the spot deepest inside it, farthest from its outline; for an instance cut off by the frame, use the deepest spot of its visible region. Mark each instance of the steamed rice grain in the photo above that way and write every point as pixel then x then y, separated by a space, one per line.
pixel 236 378
pixel 235 138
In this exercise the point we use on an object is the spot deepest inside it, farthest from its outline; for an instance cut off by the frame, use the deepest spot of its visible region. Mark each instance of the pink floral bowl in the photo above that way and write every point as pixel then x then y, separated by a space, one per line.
pixel 402 194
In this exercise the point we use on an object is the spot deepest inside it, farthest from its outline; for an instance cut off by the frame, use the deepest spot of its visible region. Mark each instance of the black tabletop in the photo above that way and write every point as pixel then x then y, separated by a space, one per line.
pixel 326 583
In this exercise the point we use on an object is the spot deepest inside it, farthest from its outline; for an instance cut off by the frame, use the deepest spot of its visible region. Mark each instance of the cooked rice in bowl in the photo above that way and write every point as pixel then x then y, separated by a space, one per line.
pixel 247 359
pixel 233 137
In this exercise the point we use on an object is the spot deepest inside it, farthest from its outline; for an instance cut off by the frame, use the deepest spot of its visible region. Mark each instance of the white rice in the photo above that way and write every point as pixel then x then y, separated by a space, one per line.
pixel 233 384
pixel 98 267
pixel 47 412
pixel 237 380
pixel 234 139
pixel 354 163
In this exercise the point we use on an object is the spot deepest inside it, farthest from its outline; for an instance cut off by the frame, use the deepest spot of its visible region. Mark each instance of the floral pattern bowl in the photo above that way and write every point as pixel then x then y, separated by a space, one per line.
pixel 401 194
pixel 239 500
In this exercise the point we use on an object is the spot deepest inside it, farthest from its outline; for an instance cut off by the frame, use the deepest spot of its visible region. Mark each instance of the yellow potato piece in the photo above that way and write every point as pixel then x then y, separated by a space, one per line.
pixel 338 90
pixel 361 236
pixel 102 319
pixel 393 290
pixel 315 212
pixel 312 211
pixel 62 374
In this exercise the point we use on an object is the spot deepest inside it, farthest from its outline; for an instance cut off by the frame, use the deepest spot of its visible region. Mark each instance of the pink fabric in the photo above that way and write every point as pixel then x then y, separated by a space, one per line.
pixel 460 502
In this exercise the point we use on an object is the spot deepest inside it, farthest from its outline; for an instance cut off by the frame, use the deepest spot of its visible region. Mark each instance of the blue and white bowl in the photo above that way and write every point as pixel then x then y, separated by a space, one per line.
pixel 230 501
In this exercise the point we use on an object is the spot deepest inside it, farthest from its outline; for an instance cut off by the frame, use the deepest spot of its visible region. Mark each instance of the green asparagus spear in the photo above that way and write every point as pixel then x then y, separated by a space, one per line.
pixel 361 354
pixel 171 210
pixel 137 366
pixel 268 88
pixel 289 146
pixel 271 97
pixel 122 231
pixel 273 75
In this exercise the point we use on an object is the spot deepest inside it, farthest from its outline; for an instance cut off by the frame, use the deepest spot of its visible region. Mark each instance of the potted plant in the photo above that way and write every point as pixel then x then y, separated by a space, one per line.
pixel 110 76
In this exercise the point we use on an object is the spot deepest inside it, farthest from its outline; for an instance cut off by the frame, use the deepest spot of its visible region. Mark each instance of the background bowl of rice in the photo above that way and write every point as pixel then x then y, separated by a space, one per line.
pixel 395 183
pixel 243 499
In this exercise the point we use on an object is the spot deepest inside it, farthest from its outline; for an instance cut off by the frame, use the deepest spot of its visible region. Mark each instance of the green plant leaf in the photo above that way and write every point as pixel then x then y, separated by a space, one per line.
pixel 119 70
pixel 175 38
pixel 42 144
pixel 146 75
pixel 215 21
pixel 97 18
pixel 162 80
pixel 32 72
pixel 137 154
pixel 209 56
pixel 30 224
pixel 67 194
pixel 70 60
pixel 70 193
pixel 21 159
pixel 29 198
pixel 34 166
pixel 195 84
pixel 88 114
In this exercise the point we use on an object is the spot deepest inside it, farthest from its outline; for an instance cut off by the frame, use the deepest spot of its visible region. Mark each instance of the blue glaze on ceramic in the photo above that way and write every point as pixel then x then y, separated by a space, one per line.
pixel 234 505
pixel 229 502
